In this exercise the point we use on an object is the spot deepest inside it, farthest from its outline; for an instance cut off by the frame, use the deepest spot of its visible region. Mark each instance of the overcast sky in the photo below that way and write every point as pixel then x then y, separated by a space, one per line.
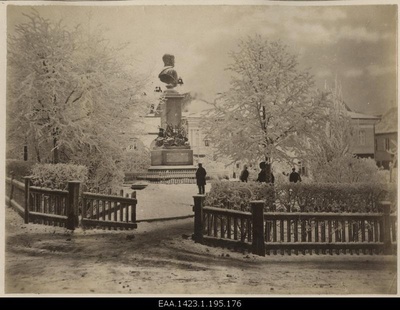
pixel 356 44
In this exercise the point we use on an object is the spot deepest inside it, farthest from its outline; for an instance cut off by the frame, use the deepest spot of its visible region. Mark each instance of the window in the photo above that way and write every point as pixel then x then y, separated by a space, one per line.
pixel 361 137
pixel 207 142
pixel 238 165
pixel 376 144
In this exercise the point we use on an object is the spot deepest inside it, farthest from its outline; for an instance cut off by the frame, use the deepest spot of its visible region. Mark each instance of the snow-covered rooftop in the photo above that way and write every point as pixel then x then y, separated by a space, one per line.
pixel 388 122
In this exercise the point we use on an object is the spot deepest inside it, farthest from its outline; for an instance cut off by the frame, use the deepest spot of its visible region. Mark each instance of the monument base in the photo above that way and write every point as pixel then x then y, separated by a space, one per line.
pixel 171 157
pixel 170 174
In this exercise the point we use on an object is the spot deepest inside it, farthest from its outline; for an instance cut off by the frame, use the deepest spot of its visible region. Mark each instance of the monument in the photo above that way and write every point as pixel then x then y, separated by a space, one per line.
pixel 171 147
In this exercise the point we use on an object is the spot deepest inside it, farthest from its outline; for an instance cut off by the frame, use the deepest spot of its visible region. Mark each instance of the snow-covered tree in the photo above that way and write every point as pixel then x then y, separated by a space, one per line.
pixel 270 108
pixel 335 136
pixel 70 95
pixel 329 154
pixel 348 169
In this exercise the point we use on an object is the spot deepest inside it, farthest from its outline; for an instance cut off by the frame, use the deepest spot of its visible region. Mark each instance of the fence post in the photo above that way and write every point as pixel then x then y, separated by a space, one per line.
pixel 257 214
pixel 73 205
pixel 133 210
pixel 387 243
pixel 27 198
pixel 198 218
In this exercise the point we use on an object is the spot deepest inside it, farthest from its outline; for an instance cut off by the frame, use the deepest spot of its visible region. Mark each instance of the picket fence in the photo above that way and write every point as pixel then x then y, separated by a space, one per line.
pixel 298 232
pixel 70 208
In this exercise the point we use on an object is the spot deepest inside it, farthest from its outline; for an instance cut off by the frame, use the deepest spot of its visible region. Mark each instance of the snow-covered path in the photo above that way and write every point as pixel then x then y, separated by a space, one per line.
pixel 160 258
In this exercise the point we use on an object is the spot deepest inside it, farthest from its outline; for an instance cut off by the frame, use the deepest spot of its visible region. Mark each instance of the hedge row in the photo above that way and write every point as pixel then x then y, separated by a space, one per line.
pixel 18 168
pixel 47 175
pixel 58 175
pixel 355 197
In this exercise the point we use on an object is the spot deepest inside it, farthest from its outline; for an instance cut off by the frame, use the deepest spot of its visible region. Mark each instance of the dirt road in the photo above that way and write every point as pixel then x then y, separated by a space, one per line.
pixel 160 258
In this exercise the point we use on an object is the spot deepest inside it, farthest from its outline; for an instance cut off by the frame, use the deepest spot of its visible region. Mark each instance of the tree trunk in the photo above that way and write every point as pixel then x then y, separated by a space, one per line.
pixel 268 177
pixel 55 151
pixel 37 154
pixel 25 152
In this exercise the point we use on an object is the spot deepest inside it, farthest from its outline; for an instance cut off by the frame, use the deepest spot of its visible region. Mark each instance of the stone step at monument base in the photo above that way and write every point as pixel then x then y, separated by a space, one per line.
pixel 170 175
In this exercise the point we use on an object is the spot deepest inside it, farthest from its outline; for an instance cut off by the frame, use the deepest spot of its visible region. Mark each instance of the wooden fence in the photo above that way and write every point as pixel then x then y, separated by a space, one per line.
pixel 49 207
pixel 109 211
pixel 298 232
pixel 63 207
pixel 16 195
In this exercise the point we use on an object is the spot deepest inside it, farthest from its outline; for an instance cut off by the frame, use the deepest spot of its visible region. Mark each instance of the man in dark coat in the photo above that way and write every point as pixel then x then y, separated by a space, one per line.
pixel 201 178
pixel 244 174
pixel 294 177
pixel 262 176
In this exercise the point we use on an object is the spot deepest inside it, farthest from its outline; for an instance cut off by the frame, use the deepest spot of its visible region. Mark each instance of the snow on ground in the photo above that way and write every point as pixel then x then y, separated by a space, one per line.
pixel 160 258
pixel 164 200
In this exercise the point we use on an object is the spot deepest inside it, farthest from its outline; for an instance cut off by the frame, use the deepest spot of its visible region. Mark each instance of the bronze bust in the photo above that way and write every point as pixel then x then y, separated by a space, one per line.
pixel 168 75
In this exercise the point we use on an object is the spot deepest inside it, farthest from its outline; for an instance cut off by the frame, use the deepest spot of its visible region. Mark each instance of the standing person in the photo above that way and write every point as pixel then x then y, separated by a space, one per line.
pixel 262 177
pixel 201 178
pixel 244 175
pixel 294 177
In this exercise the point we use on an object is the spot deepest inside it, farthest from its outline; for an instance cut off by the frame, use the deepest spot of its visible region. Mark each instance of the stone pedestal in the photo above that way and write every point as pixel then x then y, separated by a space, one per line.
pixel 171 164
pixel 171 157
pixel 171 112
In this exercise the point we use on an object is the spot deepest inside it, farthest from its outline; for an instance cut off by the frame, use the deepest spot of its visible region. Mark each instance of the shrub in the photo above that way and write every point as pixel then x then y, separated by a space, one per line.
pixel 18 168
pixel 237 195
pixel 348 169
pixel 58 175
pixel 327 197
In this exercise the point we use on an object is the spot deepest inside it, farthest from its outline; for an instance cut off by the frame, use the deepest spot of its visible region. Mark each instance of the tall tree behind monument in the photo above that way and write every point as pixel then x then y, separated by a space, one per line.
pixel 270 108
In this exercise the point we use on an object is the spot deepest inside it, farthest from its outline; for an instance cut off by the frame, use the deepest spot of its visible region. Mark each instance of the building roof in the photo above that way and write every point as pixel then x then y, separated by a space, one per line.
pixel 388 122
pixel 356 115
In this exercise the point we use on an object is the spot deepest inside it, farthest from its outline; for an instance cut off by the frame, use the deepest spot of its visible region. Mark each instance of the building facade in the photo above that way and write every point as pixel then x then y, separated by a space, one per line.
pixel 363 144
pixel 386 140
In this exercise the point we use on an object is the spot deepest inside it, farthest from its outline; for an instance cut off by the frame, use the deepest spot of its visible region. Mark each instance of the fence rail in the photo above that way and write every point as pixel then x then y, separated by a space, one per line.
pixel 47 206
pixel 16 195
pixel 62 207
pixel 53 207
pixel 228 224
pixel 319 232
pixel 109 211
pixel 299 232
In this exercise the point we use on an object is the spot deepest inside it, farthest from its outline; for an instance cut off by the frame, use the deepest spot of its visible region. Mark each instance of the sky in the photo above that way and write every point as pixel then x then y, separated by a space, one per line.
pixel 353 44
